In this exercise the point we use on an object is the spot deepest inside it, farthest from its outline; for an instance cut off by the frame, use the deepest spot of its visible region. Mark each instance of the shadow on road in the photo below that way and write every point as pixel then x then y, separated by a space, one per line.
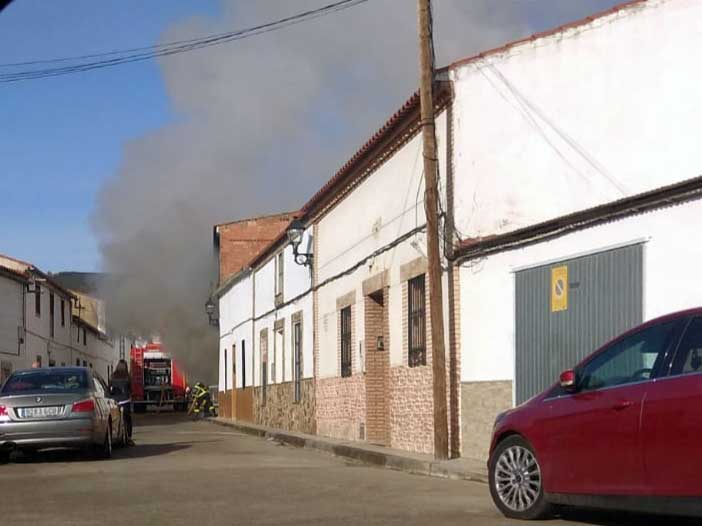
pixel 613 518
pixel 70 455
pixel 160 419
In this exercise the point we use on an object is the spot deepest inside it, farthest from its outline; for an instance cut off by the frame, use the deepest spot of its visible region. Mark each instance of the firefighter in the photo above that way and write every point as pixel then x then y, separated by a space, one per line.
pixel 202 402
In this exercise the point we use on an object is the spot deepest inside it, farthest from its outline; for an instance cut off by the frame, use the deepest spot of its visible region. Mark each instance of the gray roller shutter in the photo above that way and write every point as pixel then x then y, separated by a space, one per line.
pixel 604 298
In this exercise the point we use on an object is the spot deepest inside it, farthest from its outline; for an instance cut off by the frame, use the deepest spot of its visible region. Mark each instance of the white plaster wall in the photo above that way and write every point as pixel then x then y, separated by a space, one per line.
pixel 38 337
pixel 264 288
pixel 671 278
pixel 11 309
pixel 545 128
pixel 235 315
pixel 386 205
pixel 283 357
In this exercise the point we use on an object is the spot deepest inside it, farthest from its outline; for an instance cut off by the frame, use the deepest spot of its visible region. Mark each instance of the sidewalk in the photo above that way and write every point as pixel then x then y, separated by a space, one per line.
pixel 419 464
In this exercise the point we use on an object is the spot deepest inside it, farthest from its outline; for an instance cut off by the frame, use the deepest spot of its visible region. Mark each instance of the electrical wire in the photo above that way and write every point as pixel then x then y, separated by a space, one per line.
pixel 128 56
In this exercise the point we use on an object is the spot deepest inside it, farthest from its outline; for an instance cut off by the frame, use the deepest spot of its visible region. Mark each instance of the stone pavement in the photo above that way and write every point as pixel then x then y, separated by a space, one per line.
pixel 416 463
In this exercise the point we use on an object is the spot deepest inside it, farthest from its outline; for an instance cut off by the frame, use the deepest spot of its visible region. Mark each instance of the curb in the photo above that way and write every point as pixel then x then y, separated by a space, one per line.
pixel 390 460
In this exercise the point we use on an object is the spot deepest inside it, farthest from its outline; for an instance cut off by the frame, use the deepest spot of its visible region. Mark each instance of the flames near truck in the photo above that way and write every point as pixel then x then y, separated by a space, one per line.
pixel 157 379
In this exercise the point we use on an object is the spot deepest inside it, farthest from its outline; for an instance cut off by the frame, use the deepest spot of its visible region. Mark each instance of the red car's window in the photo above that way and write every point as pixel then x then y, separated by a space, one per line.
pixel 632 359
pixel 688 359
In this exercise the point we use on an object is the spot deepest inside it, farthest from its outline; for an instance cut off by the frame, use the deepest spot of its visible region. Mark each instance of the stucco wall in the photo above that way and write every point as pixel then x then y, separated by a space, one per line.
pixel 487 285
pixel 571 120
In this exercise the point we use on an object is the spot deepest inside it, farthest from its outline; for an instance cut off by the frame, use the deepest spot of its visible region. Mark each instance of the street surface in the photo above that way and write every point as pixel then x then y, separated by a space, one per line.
pixel 199 474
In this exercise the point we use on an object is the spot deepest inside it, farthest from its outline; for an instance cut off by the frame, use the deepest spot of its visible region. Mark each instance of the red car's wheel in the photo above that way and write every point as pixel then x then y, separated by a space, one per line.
pixel 516 484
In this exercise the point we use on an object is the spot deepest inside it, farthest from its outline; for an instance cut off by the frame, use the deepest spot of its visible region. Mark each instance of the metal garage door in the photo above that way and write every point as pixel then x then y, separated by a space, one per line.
pixel 566 310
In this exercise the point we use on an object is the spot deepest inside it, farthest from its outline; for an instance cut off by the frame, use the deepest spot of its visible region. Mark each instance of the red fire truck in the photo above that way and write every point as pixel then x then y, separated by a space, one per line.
pixel 156 379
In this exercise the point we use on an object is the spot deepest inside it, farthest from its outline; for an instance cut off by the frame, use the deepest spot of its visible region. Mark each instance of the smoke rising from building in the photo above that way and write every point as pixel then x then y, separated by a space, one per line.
pixel 260 125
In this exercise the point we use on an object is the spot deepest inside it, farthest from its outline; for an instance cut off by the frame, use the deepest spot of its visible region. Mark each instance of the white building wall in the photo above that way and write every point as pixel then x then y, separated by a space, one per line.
pixel 565 122
pixel 12 354
pixel 39 341
pixel 98 352
pixel 297 297
pixel 671 274
pixel 235 325
pixel 384 207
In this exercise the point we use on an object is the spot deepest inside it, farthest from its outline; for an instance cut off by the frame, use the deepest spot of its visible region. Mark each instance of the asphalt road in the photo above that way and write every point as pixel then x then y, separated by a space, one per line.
pixel 195 473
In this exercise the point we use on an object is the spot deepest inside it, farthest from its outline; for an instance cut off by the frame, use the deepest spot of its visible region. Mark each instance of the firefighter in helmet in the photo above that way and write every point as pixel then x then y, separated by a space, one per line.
pixel 202 401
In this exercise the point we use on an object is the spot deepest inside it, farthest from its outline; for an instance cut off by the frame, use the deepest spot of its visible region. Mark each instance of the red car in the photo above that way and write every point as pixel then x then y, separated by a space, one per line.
pixel 622 430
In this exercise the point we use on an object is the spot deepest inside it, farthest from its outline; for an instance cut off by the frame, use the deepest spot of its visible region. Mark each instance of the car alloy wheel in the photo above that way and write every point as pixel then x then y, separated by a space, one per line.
pixel 515 480
pixel 518 478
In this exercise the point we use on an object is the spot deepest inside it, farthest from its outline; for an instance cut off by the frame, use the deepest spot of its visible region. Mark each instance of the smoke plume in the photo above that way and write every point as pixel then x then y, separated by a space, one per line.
pixel 261 124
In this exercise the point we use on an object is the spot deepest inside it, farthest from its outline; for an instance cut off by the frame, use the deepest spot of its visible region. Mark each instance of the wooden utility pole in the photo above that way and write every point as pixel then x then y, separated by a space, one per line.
pixel 431 201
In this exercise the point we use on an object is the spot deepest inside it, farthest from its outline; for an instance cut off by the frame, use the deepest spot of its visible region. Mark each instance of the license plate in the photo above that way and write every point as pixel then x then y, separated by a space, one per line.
pixel 41 412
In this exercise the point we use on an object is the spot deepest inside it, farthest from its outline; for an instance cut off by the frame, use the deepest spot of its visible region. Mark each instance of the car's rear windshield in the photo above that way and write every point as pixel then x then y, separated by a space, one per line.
pixel 45 381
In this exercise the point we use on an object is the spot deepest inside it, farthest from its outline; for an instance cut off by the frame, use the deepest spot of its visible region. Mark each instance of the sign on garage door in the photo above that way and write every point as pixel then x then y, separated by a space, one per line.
pixel 566 310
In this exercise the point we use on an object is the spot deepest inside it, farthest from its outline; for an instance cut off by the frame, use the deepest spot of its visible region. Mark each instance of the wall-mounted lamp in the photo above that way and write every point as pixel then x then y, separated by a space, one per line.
pixel 210 308
pixel 295 231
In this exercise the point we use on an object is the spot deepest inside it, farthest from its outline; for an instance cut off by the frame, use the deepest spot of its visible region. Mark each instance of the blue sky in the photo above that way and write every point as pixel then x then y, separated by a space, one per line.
pixel 61 137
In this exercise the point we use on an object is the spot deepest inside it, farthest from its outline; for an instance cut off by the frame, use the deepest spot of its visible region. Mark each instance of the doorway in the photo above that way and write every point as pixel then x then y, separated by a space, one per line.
pixel 377 362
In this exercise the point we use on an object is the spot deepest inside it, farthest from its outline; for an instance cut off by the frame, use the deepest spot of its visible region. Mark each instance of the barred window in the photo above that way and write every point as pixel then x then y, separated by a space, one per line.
pixel 416 323
pixel 345 316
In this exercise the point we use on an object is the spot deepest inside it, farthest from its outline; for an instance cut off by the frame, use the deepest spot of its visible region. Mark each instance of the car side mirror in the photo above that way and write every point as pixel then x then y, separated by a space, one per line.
pixel 567 380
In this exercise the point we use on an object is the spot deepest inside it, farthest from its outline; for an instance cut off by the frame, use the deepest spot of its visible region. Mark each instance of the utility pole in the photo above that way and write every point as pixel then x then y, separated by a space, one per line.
pixel 431 200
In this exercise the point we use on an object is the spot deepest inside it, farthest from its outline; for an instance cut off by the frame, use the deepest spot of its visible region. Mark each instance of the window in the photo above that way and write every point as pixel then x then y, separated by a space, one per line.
pixel 85 336
pixel 51 315
pixel 634 359
pixel 85 363
pixel 77 362
pixel 52 381
pixel 63 313
pixel 37 300
pixel 688 359
pixel 297 359
pixel 225 368
pixel 416 322
pixel 279 272
pixel 243 363
pixel 264 365
pixel 345 319
pixel 279 351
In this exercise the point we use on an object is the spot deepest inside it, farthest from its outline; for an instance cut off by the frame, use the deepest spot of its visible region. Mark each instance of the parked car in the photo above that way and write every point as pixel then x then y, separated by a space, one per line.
pixel 58 407
pixel 622 430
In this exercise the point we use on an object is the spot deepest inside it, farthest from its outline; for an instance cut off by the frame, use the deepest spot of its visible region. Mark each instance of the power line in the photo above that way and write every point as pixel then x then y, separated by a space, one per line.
pixel 139 54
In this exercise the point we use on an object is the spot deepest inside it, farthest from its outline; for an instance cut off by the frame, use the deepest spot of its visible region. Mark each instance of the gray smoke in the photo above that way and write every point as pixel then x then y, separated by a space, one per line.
pixel 261 124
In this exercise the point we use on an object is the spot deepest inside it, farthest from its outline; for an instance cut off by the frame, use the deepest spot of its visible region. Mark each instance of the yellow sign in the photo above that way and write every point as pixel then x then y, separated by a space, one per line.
pixel 559 288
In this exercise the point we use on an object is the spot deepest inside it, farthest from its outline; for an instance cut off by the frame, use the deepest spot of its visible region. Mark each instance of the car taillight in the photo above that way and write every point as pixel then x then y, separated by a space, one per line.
pixel 84 406
pixel 4 414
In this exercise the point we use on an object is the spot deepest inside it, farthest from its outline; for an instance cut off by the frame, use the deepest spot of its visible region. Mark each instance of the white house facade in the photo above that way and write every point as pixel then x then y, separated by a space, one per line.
pixel 599 111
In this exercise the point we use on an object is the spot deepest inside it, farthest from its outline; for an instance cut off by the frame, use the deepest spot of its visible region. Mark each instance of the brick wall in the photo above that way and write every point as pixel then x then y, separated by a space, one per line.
pixel 240 241
pixel 281 411
pixel 377 368
pixel 480 404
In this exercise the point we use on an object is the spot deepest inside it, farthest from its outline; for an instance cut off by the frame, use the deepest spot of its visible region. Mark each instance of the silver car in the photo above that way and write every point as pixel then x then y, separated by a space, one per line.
pixel 59 407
